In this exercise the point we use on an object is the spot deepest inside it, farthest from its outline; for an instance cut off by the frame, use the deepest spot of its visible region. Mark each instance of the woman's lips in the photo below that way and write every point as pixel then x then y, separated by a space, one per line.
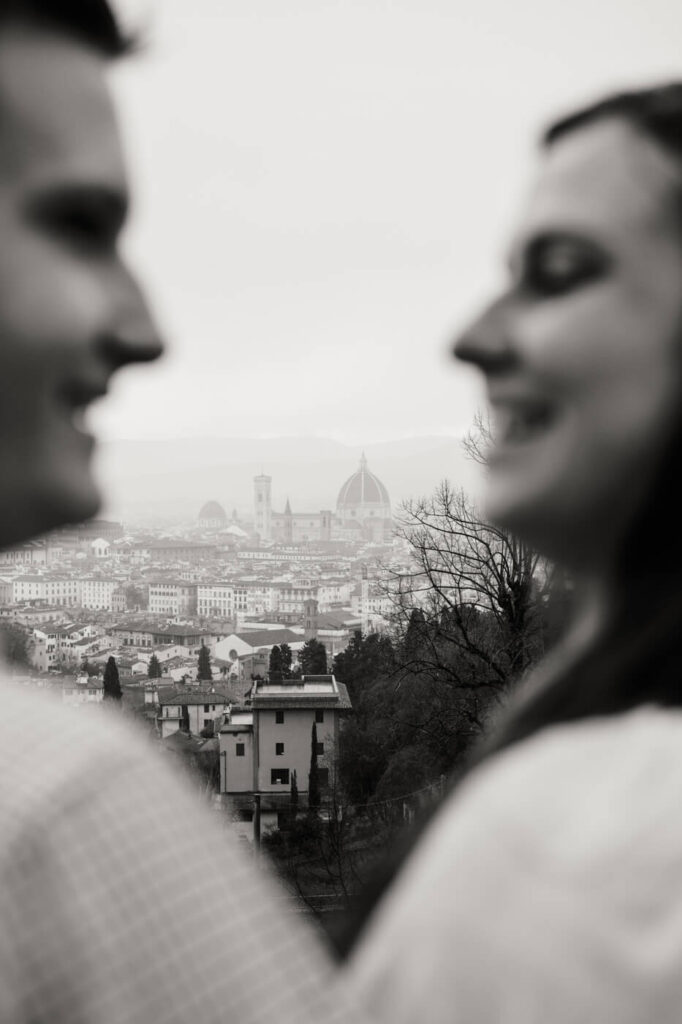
pixel 518 421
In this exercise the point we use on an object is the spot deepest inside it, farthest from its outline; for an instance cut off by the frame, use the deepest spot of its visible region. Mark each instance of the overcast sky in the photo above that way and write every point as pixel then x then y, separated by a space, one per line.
pixel 324 190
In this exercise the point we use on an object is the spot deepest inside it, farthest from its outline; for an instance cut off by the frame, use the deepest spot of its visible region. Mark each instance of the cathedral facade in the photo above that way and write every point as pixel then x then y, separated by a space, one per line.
pixel 363 513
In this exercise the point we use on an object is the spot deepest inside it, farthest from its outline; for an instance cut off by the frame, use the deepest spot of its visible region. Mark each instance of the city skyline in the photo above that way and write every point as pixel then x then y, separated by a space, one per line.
pixel 170 479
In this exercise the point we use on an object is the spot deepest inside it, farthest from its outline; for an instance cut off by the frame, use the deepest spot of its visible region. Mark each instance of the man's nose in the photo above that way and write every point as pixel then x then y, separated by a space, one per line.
pixel 132 335
pixel 488 341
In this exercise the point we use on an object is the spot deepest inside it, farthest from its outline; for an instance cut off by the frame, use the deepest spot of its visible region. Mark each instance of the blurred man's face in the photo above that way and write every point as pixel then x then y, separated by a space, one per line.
pixel 70 313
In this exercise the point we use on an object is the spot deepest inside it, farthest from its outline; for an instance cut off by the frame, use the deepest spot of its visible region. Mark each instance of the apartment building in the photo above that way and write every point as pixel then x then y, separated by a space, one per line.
pixel 192 710
pixel 215 599
pixel 97 594
pixel 265 743
pixel 55 590
pixel 172 597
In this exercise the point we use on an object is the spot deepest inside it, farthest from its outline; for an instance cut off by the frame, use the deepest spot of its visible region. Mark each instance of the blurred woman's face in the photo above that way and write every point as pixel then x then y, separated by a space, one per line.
pixel 582 354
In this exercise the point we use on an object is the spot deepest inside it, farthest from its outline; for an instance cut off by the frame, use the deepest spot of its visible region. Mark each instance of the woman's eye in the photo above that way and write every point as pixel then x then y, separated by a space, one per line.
pixel 557 268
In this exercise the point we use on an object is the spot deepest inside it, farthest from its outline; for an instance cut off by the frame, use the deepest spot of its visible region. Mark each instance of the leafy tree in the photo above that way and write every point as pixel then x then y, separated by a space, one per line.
pixel 313 658
pixel 406 771
pixel 154 668
pixel 365 659
pixel 135 598
pixel 68 662
pixel 15 643
pixel 471 586
pixel 112 685
pixel 204 670
pixel 365 745
pixel 314 774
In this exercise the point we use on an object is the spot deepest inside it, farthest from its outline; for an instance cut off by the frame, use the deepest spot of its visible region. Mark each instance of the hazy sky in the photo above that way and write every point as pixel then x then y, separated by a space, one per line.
pixel 324 189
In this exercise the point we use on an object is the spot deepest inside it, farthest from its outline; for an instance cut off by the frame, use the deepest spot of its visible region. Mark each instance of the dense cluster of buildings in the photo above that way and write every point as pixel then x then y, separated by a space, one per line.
pixel 235 586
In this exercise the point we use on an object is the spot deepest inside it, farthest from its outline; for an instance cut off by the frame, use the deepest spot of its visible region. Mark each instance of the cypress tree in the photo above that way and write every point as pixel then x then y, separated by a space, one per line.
pixel 293 805
pixel 112 685
pixel 275 664
pixel 314 775
pixel 285 654
pixel 204 670
pixel 154 668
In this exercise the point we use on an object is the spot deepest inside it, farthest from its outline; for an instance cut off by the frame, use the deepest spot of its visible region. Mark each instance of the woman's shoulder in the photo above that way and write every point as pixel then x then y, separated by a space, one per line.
pixel 553 870
pixel 609 751
pixel 575 794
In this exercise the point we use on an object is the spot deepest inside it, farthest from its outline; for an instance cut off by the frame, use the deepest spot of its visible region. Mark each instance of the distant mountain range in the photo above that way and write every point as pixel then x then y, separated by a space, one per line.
pixel 169 480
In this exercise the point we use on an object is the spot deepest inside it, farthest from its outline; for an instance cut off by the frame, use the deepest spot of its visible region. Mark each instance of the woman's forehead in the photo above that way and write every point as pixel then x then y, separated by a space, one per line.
pixel 606 178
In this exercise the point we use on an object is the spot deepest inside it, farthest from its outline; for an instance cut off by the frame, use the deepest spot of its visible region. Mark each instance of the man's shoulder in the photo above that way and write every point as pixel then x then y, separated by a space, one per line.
pixel 46 747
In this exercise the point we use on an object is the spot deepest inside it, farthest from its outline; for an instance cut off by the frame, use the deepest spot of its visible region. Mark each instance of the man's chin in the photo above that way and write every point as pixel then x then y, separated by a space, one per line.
pixel 72 502
pixel 51 505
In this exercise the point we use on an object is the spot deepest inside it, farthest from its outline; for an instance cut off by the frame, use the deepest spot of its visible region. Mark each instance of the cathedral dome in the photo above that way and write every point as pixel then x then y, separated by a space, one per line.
pixel 363 490
pixel 213 512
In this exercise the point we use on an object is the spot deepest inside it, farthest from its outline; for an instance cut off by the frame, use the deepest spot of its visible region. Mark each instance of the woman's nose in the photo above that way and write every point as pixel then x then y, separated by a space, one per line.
pixel 487 341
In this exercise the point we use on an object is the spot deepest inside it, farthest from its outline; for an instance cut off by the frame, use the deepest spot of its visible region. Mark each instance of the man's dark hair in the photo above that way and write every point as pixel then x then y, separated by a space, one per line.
pixel 89 21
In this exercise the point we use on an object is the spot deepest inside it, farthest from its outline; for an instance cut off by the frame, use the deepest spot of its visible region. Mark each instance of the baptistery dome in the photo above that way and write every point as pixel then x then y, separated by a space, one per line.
pixel 212 515
pixel 364 505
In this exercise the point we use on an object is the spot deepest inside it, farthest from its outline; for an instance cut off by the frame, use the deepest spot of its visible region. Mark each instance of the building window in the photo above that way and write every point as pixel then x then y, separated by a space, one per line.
pixel 319 749
pixel 205 707
pixel 279 748
pixel 279 717
pixel 323 777
pixel 239 750
pixel 319 716
pixel 279 775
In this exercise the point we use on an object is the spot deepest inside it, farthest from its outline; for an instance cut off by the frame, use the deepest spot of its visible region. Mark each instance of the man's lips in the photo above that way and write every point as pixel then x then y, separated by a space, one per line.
pixel 76 396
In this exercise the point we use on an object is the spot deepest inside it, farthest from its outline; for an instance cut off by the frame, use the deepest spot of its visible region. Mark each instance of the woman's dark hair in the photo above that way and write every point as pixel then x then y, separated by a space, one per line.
pixel 656 112
pixel 637 658
pixel 89 21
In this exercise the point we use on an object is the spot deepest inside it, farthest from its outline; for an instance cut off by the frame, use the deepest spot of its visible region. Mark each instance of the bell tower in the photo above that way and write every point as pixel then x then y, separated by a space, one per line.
pixel 262 498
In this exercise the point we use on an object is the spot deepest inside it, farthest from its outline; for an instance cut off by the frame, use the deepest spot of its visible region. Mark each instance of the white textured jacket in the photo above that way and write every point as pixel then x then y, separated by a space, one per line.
pixel 547 891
